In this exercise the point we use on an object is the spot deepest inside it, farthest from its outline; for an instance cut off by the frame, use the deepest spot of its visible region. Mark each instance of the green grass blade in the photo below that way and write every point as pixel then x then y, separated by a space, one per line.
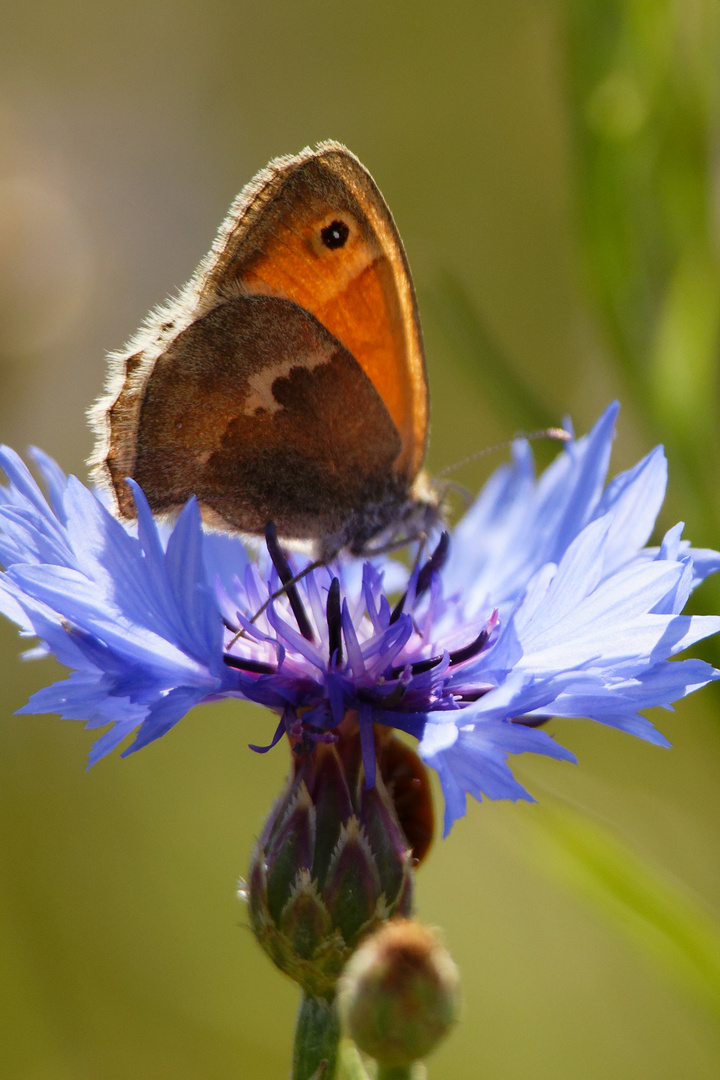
pixel 662 919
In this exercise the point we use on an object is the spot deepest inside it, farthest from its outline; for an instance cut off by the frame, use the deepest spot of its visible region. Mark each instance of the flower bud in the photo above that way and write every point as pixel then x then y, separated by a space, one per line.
pixel 331 865
pixel 400 994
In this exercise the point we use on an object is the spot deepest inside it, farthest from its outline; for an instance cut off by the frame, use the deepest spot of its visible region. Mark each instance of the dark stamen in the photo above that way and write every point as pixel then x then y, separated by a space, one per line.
pixel 287 577
pixel 456 657
pixel 334 621
pixel 417 668
pixel 230 626
pixel 468 651
pixel 434 565
pixel 255 667
pixel 398 609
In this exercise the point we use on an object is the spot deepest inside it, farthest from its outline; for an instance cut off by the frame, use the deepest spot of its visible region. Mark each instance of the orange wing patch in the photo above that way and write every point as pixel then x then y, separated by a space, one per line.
pixel 354 280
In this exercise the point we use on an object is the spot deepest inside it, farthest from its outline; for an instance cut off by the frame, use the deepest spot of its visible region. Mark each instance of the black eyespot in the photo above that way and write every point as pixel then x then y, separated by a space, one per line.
pixel 335 235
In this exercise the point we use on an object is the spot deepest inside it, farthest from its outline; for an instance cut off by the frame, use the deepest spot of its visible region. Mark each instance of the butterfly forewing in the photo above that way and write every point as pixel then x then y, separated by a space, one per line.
pixel 287 383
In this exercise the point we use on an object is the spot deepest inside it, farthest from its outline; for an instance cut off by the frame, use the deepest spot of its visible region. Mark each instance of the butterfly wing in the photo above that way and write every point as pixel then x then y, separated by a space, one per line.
pixel 288 380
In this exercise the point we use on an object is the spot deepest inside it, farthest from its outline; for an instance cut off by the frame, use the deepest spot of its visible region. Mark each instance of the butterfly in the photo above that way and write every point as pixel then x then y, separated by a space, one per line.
pixel 287 381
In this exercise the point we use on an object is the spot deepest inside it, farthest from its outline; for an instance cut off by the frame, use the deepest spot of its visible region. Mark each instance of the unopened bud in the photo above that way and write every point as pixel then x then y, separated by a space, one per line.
pixel 400 993
pixel 331 865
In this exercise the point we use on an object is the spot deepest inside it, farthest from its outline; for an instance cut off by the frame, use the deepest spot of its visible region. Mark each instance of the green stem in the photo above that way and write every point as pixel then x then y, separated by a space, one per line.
pixel 317 1034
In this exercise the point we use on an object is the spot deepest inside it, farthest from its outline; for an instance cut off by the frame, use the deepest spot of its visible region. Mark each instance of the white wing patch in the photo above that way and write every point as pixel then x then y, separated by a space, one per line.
pixel 260 396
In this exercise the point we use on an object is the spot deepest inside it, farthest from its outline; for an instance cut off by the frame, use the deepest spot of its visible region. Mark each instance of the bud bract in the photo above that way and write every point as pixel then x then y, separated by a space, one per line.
pixel 331 865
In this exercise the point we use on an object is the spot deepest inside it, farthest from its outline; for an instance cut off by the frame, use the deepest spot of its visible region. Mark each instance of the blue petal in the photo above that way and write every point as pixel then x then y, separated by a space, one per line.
pixel 163 715
pixel 55 479
pixel 634 499
pixel 471 761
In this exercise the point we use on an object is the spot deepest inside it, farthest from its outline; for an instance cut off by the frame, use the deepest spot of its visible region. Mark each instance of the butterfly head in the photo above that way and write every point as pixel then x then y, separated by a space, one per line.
pixel 389 523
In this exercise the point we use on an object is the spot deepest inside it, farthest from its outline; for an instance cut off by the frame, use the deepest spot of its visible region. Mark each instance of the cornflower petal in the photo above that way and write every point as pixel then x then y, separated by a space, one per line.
pixel 163 715
pixel 367 742
pixel 548 603
pixel 472 761
pixel 294 640
pixel 54 478
pixel 634 498
pixel 354 652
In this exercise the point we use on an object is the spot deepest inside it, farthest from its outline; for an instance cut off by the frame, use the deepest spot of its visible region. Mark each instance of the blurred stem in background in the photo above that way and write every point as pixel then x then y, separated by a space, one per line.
pixel 643 90
pixel 664 920
pixel 643 97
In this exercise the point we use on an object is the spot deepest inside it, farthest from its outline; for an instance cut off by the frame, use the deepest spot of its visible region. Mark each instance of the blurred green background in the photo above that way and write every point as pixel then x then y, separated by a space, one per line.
pixel 553 169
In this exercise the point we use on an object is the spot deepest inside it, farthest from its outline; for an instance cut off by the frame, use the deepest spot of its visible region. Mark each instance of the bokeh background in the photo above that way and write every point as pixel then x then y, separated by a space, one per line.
pixel 553 167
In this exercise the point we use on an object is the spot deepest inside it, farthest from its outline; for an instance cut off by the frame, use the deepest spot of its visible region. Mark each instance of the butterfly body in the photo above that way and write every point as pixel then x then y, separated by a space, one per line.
pixel 287 381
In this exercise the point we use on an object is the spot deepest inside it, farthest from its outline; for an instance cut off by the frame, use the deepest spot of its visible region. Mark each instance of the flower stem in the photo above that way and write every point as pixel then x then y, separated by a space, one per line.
pixel 317 1034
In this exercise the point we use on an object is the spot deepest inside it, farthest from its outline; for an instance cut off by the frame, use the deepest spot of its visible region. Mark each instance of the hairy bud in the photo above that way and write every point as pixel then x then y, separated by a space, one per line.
pixel 400 994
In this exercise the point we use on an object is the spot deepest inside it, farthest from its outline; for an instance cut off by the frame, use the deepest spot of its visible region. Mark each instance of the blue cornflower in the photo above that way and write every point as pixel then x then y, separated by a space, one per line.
pixel 544 602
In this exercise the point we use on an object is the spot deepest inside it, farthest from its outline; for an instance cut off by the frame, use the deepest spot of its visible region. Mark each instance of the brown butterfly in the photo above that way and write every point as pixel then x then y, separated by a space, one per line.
pixel 287 382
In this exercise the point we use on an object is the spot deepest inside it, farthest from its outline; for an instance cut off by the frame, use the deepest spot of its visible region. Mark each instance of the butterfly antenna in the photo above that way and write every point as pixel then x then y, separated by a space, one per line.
pixel 547 433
